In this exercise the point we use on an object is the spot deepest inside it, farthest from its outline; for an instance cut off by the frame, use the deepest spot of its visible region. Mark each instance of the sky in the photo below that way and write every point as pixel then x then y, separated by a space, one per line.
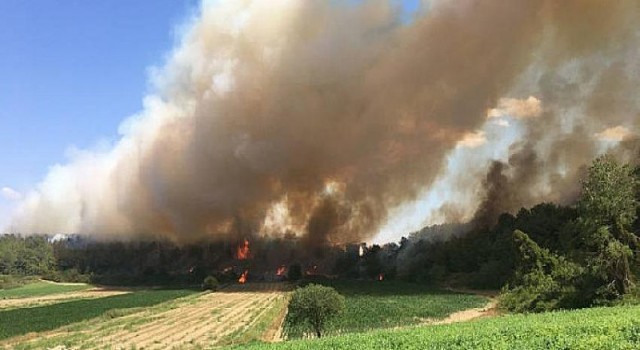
pixel 71 71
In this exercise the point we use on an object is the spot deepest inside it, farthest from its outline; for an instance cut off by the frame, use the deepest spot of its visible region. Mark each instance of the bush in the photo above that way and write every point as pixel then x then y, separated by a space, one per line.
pixel 67 276
pixel 210 283
pixel 8 282
pixel 314 305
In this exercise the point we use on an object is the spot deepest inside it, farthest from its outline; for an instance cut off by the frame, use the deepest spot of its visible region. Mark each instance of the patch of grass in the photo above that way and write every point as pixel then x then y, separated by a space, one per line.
pixel 37 319
pixel 587 329
pixel 373 304
pixel 38 289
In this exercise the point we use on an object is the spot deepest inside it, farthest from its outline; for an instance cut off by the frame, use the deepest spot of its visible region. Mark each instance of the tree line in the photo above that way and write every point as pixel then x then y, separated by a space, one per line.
pixel 545 257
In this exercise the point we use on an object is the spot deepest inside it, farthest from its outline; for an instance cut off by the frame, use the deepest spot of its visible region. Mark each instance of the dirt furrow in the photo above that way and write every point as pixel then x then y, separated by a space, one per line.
pixel 213 331
pixel 202 320
pixel 114 330
pixel 254 318
pixel 159 323
pixel 156 337
pixel 195 333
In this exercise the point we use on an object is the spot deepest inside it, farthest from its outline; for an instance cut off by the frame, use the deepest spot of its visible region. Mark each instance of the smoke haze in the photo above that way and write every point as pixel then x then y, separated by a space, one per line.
pixel 318 118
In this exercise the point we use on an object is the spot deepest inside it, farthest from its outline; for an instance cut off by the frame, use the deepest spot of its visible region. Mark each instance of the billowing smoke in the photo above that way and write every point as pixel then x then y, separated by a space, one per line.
pixel 319 117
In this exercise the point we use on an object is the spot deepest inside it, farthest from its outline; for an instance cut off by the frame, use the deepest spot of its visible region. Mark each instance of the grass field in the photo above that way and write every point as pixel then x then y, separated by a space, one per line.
pixel 39 289
pixel 42 318
pixel 373 304
pixel 589 329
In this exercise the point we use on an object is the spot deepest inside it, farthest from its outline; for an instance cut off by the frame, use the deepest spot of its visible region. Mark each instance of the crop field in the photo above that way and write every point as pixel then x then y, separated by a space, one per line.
pixel 373 304
pixel 40 289
pixel 378 315
pixel 21 321
pixel 163 320
pixel 597 328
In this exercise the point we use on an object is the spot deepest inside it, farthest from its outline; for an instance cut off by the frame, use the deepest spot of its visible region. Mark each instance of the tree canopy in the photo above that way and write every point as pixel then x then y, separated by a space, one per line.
pixel 315 305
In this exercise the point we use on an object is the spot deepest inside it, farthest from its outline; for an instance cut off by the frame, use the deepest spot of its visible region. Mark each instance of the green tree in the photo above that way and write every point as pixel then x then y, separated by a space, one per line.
pixel 542 280
pixel 314 305
pixel 605 238
pixel 210 283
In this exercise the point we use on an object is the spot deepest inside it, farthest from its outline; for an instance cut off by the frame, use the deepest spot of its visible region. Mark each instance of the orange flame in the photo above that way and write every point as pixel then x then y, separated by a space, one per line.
pixel 243 277
pixel 380 276
pixel 281 270
pixel 242 253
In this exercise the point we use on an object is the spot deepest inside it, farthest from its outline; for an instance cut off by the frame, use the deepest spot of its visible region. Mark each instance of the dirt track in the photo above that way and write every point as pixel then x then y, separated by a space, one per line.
pixel 470 314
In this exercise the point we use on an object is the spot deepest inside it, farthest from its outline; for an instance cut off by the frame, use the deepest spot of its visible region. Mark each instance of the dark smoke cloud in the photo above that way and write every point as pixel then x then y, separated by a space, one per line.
pixel 586 73
pixel 318 118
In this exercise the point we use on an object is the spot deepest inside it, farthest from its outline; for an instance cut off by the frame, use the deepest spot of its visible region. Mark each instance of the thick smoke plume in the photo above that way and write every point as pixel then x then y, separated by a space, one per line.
pixel 317 118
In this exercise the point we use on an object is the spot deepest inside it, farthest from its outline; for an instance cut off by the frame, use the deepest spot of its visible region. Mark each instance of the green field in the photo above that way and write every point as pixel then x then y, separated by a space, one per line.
pixel 38 289
pixel 373 304
pixel 598 328
pixel 37 319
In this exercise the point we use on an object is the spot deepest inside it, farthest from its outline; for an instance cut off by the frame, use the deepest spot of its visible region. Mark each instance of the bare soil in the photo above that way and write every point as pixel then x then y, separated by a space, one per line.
pixel 467 315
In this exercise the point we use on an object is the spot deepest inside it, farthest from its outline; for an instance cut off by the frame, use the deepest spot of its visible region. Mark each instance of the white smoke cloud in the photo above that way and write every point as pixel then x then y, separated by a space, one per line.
pixel 616 133
pixel 473 139
pixel 501 122
pixel 10 194
pixel 530 107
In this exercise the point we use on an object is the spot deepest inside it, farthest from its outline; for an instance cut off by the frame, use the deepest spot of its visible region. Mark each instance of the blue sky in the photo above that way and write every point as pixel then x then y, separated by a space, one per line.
pixel 72 70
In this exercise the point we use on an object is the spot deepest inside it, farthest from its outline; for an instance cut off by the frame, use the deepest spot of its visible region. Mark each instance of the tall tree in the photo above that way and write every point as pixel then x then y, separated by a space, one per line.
pixel 607 209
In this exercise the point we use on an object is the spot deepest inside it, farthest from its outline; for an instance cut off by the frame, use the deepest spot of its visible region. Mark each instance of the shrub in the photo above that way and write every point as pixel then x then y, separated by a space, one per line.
pixel 8 282
pixel 69 275
pixel 542 281
pixel 314 305
pixel 210 283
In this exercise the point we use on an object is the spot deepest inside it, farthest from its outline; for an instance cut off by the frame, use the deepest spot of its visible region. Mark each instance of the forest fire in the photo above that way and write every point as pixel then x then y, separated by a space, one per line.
pixel 281 271
pixel 312 271
pixel 380 276
pixel 243 252
pixel 243 277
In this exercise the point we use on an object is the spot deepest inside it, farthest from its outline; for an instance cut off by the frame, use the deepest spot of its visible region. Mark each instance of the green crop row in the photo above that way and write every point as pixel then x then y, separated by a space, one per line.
pixel 37 319
pixel 37 289
pixel 372 305
pixel 613 328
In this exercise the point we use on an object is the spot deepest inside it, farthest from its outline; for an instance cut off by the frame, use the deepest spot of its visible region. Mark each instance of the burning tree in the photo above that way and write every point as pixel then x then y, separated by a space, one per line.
pixel 314 305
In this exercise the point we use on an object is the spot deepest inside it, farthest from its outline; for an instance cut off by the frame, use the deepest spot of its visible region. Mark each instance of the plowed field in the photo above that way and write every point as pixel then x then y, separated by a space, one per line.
pixel 232 315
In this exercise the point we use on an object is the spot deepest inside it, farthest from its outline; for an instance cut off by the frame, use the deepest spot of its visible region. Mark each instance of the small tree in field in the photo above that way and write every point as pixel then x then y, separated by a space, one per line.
pixel 314 305
pixel 210 283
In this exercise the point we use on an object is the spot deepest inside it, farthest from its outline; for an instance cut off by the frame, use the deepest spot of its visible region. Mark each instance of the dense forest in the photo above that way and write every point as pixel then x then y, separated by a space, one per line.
pixel 545 257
